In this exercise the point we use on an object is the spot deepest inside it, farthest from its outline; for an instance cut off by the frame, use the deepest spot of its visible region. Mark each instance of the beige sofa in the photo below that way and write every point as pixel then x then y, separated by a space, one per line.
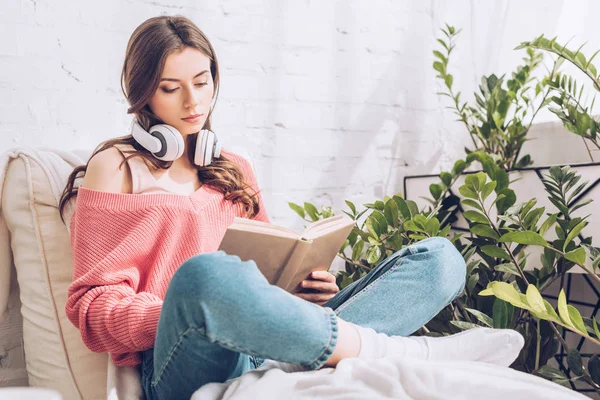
pixel 35 254
pixel 35 272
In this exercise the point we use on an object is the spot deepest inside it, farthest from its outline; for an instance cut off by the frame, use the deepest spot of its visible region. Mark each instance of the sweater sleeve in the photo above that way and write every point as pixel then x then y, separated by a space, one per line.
pixel 103 299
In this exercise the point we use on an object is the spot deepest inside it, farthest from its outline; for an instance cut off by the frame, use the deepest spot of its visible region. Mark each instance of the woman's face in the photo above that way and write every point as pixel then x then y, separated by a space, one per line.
pixel 186 88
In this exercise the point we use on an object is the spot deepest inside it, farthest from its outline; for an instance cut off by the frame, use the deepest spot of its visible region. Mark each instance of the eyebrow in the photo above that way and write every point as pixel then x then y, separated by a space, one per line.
pixel 177 80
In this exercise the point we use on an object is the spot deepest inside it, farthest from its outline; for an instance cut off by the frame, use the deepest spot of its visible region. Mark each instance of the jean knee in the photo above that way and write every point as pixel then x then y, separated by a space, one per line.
pixel 196 275
pixel 447 268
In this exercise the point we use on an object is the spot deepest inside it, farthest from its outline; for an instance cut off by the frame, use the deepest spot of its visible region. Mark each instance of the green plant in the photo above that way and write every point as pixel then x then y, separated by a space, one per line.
pixel 381 229
pixel 569 107
pixel 507 240
pixel 497 122
pixel 504 285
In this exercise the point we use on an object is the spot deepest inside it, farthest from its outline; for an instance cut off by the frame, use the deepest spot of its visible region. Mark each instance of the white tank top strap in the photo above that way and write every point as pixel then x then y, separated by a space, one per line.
pixel 142 180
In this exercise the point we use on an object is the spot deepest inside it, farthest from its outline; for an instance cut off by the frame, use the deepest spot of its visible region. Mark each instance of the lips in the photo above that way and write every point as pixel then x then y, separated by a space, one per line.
pixel 194 116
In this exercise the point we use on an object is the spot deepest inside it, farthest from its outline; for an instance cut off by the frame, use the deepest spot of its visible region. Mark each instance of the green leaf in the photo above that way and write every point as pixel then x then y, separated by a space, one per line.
pixel 464 325
pixel 501 177
pixel 439 67
pixel 411 226
pixel 535 300
pixel 577 256
pixel 443 44
pixel 563 311
pixel 420 220
pixel 391 212
pixel 507 201
pixel 551 373
pixel 594 368
pixel 502 314
pixel 312 211
pixel 481 178
pixel 524 237
pixel 446 178
pixel 550 312
pixel 508 267
pixel 575 362
pixel 352 207
pixel 507 292
pixel 574 232
pixel 435 190
pixel 357 250
pixel 488 188
pixel 381 221
pixel 485 231
pixel 596 330
pixel 373 227
pixel 548 223
pixel 413 207
pixel 432 227
pixel 440 56
pixel 496 252
pixel 298 209
pixel 465 191
pixel 481 317
pixel 402 206
pixel 471 203
pixel 373 254
pixel 475 216
pixel 472 281
pixel 472 182
pixel 448 81
pixel 576 319
pixel 459 166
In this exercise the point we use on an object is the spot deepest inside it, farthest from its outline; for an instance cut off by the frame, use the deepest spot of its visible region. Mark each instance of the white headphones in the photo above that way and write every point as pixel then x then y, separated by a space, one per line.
pixel 166 143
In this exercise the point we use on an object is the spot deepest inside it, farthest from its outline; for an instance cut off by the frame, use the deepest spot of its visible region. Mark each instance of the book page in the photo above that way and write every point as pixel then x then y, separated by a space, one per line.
pixel 250 225
pixel 324 226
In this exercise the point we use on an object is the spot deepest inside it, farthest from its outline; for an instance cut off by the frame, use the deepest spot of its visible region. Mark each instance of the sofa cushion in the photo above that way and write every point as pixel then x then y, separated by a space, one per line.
pixel 55 354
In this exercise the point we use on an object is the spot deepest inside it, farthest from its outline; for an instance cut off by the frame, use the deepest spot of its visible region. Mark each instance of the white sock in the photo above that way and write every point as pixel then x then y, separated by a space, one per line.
pixel 494 346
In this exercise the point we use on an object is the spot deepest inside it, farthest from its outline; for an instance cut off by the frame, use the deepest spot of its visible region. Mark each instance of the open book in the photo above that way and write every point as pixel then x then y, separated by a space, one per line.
pixel 286 257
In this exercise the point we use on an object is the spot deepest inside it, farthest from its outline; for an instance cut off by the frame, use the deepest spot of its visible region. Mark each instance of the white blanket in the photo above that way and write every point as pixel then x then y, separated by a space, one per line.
pixel 390 378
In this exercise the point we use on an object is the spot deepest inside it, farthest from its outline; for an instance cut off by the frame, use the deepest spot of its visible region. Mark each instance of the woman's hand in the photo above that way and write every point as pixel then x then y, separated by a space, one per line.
pixel 318 288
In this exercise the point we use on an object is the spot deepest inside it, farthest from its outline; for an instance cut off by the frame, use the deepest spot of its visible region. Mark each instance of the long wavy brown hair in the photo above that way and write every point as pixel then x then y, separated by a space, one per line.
pixel 148 48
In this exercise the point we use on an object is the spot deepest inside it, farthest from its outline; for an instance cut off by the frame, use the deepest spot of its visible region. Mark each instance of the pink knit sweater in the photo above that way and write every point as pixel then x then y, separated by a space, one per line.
pixel 126 248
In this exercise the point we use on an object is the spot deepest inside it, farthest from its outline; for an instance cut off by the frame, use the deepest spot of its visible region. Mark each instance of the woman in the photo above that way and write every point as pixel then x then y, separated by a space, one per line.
pixel 150 287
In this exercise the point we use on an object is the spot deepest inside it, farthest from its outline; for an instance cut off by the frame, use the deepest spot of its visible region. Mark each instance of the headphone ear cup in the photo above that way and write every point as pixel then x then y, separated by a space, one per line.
pixel 171 140
pixel 207 148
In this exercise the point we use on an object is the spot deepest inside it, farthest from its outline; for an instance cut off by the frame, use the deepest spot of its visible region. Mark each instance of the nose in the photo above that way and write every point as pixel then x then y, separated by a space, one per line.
pixel 190 100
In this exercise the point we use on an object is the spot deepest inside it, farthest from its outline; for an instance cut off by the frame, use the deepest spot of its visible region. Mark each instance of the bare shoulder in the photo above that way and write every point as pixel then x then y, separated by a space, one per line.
pixel 106 174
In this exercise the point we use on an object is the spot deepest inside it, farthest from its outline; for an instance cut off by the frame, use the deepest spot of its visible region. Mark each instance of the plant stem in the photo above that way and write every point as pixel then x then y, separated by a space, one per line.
pixel 586 374
pixel 464 312
pixel 503 243
pixel 343 257
pixel 588 148
pixel 537 346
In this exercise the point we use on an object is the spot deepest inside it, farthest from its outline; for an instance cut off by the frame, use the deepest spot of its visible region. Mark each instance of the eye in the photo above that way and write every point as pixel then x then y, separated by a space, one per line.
pixel 201 84
pixel 169 91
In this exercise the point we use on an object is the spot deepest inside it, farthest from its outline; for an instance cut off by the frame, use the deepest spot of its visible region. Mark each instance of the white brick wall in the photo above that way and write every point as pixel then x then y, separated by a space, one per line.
pixel 335 99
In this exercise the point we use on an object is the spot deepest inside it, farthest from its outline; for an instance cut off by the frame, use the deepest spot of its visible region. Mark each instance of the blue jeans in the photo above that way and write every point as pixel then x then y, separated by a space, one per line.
pixel 221 318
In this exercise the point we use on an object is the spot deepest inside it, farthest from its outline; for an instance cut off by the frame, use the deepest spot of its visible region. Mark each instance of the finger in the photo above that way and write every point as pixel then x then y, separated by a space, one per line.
pixel 323 275
pixel 315 297
pixel 320 286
